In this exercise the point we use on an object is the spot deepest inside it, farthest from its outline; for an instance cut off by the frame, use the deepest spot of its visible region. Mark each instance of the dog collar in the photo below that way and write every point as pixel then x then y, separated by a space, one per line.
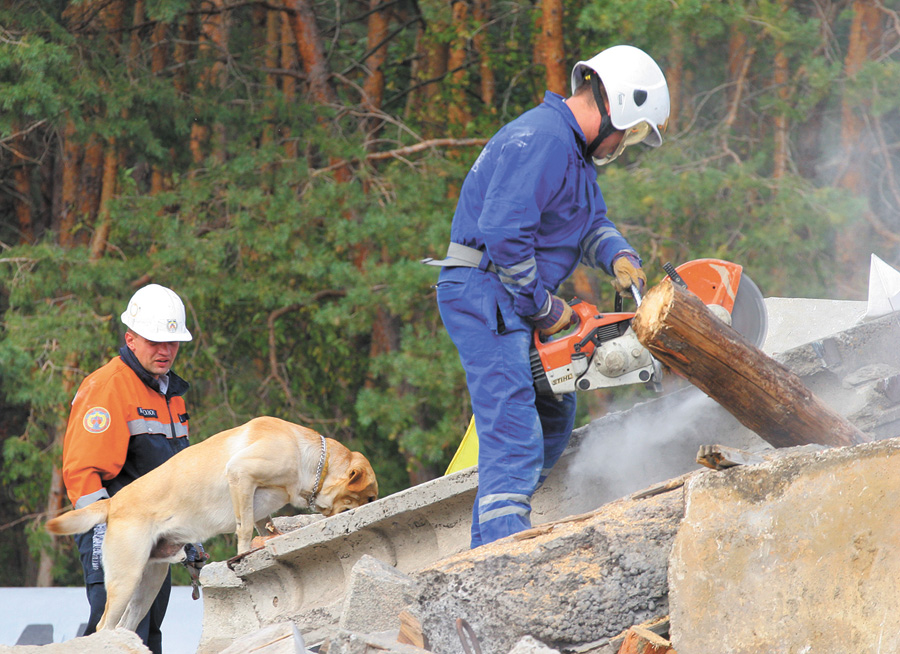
pixel 320 475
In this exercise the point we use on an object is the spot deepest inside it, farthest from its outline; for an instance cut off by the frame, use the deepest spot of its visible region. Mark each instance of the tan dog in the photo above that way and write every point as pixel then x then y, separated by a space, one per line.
pixel 227 483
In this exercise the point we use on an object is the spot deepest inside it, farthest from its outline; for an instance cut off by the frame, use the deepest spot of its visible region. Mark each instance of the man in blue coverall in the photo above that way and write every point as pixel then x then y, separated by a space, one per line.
pixel 529 212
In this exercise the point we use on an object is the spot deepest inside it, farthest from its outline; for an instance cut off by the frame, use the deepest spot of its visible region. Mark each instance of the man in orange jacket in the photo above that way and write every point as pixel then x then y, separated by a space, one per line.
pixel 128 417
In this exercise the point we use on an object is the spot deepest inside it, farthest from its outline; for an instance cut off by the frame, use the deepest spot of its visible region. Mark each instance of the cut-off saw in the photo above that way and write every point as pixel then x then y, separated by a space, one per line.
pixel 602 351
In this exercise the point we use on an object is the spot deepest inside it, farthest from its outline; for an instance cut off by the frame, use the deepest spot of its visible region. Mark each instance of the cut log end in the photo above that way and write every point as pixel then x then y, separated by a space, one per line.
pixel 654 310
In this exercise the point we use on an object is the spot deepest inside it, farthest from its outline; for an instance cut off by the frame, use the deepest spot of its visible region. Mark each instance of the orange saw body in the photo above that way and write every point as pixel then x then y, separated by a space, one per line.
pixel 602 350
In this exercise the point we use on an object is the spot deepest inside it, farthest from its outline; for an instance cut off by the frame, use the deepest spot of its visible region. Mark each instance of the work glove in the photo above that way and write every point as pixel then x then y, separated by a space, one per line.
pixel 195 558
pixel 554 318
pixel 627 271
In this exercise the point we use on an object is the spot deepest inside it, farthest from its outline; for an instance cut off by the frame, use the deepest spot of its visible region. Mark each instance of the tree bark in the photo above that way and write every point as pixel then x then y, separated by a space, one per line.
pixel 740 56
pixel 553 54
pixel 458 111
pixel 675 76
pixel 71 165
pixel 213 45
pixel 865 35
pixel 22 185
pixel 158 58
pixel 482 12
pixel 108 191
pixel 373 86
pixel 272 56
pixel 312 52
pixel 865 32
pixel 761 393
pixel 780 80
pixel 288 84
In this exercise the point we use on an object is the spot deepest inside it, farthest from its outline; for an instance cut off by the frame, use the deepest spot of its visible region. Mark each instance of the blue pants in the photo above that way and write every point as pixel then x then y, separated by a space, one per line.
pixel 520 435
pixel 149 628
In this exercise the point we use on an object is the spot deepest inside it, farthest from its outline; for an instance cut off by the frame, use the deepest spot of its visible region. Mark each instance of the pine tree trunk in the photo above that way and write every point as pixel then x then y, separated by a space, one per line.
pixel 458 111
pixel 312 52
pixel 22 185
pixel 780 80
pixel 865 35
pixel 675 77
pixel 71 165
pixel 272 52
pixel 553 54
pixel 483 48
pixel 158 178
pixel 373 87
pixel 288 84
pixel 90 185
pixel 108 192
pixel 213 45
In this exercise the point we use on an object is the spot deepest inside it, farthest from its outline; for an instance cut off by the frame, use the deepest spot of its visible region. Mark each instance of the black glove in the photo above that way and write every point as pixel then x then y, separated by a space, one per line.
pixel 195 558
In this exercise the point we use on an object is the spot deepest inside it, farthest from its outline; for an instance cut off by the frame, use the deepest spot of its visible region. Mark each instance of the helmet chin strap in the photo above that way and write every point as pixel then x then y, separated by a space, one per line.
pixel 606 126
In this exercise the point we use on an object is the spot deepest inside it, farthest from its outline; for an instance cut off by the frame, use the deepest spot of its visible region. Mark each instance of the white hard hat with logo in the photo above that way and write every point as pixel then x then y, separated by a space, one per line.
pixel 637 92
pixel 157 313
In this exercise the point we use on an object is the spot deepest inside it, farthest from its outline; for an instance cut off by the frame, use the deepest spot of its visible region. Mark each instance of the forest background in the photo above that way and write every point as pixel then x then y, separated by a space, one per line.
pixel 284 164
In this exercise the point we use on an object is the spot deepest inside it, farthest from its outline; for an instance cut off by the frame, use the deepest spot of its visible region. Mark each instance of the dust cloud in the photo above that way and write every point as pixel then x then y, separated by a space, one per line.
pixel 629 451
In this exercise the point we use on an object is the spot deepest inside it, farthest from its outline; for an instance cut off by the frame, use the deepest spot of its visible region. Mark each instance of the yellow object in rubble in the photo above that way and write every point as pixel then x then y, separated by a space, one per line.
pixel 467 454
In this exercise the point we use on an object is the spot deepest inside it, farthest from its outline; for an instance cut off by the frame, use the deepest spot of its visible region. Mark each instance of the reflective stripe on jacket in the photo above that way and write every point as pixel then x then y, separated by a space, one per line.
pixel 531 200
pixel 119 429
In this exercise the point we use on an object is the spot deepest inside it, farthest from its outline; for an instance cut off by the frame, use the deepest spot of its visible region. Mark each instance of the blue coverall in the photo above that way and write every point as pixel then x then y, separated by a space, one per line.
pixel 532 202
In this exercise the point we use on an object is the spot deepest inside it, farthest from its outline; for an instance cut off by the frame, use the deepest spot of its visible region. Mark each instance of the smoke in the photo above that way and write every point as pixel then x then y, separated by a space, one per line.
pixel 653 442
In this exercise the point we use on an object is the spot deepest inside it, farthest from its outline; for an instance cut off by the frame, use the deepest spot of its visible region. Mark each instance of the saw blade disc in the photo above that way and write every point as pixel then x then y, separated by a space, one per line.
pixel 749 317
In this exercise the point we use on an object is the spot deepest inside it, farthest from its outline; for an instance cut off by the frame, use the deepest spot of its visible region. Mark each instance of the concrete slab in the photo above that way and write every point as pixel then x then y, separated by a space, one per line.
pixel 795 555
pixel 795 321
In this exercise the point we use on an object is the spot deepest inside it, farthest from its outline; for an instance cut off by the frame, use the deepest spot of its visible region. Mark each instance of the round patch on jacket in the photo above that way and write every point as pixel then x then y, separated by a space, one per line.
pixel 97 420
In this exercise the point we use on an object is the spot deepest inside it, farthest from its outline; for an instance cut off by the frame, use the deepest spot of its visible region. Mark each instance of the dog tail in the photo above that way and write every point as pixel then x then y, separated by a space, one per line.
pixel 79 520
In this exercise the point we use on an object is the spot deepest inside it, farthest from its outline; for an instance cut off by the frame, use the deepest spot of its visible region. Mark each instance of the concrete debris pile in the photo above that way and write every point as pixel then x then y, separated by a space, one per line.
pixel 637 548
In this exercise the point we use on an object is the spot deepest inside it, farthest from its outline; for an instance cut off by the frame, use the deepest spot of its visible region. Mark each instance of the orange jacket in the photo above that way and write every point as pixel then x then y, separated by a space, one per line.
pixel 120 428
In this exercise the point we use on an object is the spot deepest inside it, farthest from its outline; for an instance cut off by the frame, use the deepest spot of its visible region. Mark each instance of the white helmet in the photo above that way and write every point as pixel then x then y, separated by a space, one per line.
pixel 156 313
pixel 637 91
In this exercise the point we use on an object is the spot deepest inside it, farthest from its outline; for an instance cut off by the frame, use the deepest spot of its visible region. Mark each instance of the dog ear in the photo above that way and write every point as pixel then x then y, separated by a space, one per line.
pixel 359 476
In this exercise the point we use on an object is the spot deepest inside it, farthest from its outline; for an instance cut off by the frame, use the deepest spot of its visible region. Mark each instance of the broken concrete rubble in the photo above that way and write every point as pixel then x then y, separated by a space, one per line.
pixel 598 575
pixel 674 426
pixel 117 641
pixel 571 583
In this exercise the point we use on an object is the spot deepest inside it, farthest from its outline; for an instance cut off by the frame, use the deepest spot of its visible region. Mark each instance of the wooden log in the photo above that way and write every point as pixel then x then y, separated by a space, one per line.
pixel 639 640
pixel 683 334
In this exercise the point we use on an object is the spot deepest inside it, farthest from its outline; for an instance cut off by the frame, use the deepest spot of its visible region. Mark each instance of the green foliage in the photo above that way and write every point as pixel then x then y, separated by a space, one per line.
pixel 678 213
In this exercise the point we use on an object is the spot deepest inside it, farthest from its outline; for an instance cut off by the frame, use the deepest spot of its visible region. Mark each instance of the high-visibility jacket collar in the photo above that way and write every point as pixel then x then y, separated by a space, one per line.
pixel 177 385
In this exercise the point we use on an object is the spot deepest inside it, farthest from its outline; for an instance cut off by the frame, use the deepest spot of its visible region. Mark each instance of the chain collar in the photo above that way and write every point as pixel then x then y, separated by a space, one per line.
pixel 320 478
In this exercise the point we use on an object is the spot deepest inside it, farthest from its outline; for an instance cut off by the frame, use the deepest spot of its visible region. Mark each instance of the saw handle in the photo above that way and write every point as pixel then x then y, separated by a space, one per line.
pixel 635 293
